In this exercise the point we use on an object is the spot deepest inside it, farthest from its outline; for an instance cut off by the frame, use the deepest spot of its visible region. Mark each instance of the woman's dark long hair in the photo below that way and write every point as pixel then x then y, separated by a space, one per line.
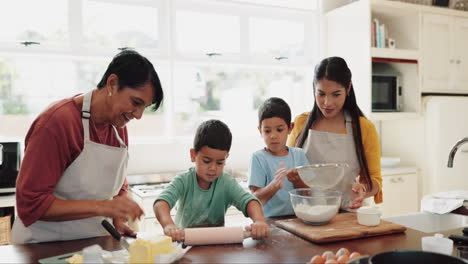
pixel 335 69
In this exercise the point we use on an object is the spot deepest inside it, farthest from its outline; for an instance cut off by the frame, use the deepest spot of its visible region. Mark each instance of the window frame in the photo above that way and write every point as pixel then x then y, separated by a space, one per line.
pixel 169 56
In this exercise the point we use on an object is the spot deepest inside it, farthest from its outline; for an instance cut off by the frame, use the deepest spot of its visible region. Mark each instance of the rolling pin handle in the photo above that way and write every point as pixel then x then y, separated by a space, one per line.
pixel 247 234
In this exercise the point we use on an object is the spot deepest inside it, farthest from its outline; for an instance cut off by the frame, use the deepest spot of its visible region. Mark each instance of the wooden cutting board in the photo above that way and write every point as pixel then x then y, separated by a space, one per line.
pixel 342 227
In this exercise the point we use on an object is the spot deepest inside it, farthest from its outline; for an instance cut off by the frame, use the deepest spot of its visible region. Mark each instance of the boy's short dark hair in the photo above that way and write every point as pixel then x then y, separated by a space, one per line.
pixel 214 134
pixel 274 107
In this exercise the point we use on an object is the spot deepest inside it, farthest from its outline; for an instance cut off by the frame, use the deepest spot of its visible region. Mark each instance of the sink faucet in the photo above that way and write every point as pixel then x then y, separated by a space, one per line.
pixel 454 150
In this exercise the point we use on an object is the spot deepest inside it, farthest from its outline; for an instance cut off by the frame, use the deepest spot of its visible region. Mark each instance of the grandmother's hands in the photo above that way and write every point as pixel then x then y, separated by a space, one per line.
pixel 121 227
pixel 121 207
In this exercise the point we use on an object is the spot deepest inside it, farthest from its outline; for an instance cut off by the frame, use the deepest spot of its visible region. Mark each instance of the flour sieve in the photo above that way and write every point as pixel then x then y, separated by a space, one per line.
pixel 322 175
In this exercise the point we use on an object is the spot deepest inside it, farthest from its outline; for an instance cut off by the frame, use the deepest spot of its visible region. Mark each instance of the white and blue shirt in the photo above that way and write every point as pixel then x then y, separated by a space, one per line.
pixel 262 169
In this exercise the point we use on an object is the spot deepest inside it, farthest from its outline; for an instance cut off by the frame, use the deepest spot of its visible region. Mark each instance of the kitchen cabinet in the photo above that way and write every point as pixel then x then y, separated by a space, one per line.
pixel 430 53
pixel 348 35
pixel 400 193
pixel 444 54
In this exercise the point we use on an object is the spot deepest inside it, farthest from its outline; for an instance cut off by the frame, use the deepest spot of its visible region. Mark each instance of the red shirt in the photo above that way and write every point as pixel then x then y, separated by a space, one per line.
pixel 54 141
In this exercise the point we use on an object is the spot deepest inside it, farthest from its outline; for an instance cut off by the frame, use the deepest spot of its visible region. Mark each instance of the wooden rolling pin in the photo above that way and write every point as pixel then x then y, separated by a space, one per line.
pixel 215 235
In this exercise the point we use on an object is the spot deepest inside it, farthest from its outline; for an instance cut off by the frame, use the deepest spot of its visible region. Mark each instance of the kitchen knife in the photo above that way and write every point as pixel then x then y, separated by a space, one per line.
pixel 115 234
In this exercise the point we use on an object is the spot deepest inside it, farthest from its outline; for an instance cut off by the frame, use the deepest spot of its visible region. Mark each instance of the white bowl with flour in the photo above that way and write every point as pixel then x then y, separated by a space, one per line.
pixel 315 206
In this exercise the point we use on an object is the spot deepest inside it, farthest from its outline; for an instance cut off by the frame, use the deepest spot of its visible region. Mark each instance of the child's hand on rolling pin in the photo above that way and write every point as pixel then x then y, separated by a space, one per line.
pixel 176 233
pixel 259 230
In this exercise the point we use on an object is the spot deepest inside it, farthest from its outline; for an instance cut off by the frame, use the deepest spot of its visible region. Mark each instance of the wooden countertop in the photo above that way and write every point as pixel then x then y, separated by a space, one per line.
pixel 280 247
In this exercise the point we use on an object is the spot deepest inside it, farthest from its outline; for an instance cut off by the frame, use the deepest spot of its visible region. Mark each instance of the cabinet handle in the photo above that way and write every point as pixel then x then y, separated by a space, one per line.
pixel 400 179
pixel 393 180
pixel 457 61
pixel 452 60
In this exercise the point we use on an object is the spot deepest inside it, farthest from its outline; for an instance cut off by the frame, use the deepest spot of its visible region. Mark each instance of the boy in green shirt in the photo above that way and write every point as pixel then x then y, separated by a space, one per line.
pixel 204 193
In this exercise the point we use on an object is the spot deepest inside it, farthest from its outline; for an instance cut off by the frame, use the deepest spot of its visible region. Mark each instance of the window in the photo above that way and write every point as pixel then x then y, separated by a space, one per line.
pixel 20 21
pixel 216 59
pixel 115 25
pixel 206 33
pixel 285 42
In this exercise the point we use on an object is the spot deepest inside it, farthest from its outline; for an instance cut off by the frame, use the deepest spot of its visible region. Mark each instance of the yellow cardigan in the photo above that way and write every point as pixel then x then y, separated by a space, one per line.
pixel 370 141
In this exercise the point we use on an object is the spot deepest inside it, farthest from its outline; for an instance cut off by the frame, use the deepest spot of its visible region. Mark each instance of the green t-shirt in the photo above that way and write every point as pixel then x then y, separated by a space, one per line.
pixel 198 207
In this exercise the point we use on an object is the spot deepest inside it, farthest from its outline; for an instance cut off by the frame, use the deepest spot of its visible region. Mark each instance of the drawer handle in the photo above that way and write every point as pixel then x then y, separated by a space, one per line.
pixel 397 180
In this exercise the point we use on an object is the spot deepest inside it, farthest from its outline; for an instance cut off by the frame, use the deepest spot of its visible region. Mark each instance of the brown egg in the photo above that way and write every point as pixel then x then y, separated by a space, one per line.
pixel 342 252
pixel 354 255
pixel 328 255
pixel 317 259
pixel 331 261
pixel 342 259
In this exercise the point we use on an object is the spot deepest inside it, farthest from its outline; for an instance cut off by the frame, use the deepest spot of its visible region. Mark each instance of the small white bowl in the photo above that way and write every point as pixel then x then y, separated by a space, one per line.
pixel 368 216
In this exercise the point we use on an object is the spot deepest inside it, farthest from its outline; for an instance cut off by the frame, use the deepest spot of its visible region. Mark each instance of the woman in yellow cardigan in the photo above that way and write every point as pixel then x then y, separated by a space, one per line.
pixel 330 133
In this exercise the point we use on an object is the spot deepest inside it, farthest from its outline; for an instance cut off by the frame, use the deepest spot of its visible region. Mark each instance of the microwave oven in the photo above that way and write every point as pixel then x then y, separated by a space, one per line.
pixel 386 93
pixel 9 166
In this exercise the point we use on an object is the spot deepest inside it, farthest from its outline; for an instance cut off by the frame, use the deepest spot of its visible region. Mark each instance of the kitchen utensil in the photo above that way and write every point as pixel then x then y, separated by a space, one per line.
pixel 322 175
pixel 60 259
pixel 462 252
pixel 215 235
pixel 437 243
pixel 413 256
pixel 342 227
pixel 369 216
pixel 110 228
pixel 459 239
pixel 315 206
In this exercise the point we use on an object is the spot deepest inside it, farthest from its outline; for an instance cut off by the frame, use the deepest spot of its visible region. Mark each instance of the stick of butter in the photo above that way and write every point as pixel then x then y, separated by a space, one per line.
pixel 75 259
pixel 145 250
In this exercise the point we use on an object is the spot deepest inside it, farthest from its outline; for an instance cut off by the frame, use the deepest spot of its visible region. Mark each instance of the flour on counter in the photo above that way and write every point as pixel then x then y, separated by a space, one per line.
pixel 315 213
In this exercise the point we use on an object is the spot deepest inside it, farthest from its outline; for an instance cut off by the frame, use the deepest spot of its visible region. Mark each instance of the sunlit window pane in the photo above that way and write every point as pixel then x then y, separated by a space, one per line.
pixel 44 21
pixel 274 38
pixel 207 33
pixel 228 93
pixel 120 25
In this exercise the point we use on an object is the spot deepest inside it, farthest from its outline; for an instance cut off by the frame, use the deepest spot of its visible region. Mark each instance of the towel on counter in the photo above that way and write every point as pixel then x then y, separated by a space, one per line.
pixel 443 202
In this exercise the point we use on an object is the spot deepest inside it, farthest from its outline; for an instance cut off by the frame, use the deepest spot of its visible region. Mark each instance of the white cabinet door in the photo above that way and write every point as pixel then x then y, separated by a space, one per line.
pixel 461 54
pixel 400 194
pixel 436 57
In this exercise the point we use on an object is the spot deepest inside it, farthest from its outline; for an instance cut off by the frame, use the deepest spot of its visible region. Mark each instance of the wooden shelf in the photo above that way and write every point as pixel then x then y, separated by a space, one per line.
pixel 403 54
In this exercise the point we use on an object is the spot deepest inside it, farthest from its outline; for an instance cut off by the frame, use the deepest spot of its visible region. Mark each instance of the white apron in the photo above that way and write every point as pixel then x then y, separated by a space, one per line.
pixel 325 147
pixel 96 174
